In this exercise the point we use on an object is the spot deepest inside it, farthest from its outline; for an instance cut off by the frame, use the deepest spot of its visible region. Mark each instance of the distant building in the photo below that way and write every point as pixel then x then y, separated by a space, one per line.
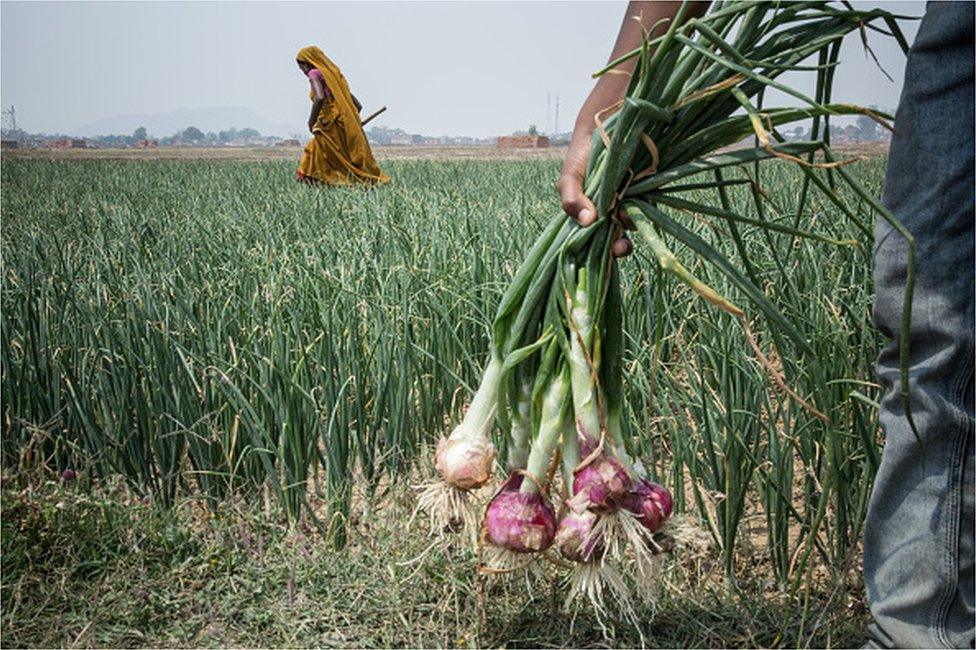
pixel 146 144
pixel 69 143
pixel 523 142
pixel 288 143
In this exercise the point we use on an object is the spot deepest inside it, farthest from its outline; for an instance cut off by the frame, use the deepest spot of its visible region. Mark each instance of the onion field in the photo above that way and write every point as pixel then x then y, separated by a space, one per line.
pixel 211 332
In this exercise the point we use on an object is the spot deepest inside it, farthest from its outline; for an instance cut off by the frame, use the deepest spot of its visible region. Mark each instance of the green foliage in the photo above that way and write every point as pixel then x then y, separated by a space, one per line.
pixel 215 329
pixel 868 130
pixel 174 325
pixel 193 134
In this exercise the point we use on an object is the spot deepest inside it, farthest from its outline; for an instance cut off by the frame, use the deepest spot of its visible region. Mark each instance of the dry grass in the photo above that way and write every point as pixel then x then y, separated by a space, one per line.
pixel 105 568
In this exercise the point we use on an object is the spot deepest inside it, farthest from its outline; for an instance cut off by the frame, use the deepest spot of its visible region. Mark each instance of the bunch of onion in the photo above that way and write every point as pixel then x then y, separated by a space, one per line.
pixel 612 509
pixel 609 511
pixel 554 385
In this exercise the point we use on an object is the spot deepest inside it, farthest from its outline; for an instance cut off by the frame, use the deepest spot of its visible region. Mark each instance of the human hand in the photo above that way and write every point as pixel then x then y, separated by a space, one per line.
pixel 575 202
pixel 650 18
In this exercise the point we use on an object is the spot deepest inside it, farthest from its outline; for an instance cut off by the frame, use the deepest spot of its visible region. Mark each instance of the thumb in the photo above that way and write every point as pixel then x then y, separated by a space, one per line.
pixel 570 185
pixel 575 202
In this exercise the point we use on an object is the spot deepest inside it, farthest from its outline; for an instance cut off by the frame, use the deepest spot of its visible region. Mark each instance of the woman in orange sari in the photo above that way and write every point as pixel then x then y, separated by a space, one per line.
pixel 338 153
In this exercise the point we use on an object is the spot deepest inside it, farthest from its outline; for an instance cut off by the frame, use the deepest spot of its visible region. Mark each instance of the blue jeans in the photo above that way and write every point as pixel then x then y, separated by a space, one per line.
pixel 918 537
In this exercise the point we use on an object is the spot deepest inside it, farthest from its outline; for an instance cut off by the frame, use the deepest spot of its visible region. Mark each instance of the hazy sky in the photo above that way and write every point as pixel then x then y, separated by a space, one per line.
pixel 472 68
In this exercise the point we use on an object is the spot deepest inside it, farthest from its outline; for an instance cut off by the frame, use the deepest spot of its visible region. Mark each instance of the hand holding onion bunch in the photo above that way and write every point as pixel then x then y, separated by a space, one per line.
pixel 552 389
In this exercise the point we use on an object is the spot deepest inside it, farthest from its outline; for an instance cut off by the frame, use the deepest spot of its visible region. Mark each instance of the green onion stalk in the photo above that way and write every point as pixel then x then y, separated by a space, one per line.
pixel 465 458
pixel 520 517
pixel 521 430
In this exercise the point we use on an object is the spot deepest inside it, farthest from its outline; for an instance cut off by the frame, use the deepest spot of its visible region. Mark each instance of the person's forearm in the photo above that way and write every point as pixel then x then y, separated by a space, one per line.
pixel 314 116
pixel 652 17
pixel 612 86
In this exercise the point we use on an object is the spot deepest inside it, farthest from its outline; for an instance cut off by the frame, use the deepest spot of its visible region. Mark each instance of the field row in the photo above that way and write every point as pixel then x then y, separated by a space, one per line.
pixel 214 329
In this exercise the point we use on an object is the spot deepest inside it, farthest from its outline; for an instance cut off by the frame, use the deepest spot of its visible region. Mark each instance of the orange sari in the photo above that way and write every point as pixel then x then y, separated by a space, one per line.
pixel 338 153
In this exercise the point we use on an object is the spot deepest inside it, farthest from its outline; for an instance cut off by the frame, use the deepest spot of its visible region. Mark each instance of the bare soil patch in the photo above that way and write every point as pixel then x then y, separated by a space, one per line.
pixel 401 152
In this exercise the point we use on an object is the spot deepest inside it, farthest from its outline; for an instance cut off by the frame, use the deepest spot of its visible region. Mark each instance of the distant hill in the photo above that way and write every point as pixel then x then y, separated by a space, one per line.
pixel 206 119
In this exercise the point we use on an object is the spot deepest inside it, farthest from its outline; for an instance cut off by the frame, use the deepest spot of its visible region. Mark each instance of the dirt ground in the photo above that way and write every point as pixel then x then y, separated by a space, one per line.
pixel 408 152
pixel 419 152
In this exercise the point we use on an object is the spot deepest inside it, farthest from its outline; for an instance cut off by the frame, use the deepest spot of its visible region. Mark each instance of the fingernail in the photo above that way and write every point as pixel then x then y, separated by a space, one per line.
pixel 585 215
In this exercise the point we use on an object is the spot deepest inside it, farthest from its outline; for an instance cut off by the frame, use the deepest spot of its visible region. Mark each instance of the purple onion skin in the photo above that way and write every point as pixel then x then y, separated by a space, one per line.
pixel 574 536
pixel 521 523
pixel 604 481
pixel 650 503
pixel 662 498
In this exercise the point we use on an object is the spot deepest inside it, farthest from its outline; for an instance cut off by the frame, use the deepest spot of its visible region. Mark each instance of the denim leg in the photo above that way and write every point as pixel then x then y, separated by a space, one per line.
pixel 918 536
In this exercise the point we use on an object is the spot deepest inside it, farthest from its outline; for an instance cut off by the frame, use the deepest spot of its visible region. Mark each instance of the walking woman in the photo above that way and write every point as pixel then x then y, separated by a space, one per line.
pixel 338 153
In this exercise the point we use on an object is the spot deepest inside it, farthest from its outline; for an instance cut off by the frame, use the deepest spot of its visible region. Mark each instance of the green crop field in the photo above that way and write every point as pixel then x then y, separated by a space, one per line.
pixel 246 377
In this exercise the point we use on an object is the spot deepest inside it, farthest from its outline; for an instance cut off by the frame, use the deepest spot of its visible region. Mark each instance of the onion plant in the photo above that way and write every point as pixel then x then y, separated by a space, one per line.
pixel 695 91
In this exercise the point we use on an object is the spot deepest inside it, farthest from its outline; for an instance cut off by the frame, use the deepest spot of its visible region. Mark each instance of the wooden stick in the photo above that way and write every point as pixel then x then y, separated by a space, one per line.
pixel 374 115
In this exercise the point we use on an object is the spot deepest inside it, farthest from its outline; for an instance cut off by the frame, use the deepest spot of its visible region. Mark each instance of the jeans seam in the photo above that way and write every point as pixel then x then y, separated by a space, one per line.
pixel 953 507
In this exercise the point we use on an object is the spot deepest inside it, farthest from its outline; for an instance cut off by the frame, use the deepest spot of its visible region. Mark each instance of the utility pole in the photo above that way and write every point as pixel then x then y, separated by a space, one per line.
pixel 548 113
pixel 555 126
pixel 10 117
